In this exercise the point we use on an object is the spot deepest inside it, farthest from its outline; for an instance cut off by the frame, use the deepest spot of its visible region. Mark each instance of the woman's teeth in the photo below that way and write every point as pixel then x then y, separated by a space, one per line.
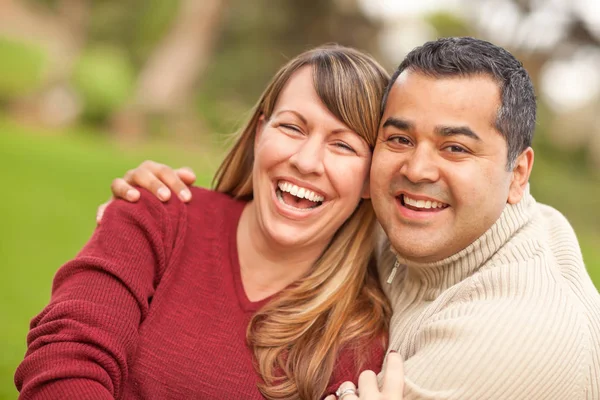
pixel 299 192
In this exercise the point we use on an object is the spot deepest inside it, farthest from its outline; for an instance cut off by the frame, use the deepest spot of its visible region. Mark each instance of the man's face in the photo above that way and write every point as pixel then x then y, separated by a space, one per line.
pixel 439 177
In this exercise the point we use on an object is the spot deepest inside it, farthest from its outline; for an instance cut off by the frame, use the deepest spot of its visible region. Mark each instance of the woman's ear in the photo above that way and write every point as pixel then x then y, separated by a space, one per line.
pixel 520 176
pixel 260 125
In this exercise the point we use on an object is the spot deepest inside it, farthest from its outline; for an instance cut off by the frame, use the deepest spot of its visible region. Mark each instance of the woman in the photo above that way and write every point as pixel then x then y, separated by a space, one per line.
pixel 164 298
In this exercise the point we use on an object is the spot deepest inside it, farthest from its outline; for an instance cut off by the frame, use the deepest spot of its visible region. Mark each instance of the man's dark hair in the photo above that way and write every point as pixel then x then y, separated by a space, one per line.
pixel 466 56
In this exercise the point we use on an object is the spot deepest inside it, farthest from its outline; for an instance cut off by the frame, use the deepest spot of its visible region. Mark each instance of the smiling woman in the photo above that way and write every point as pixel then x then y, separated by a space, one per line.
pixel 273 272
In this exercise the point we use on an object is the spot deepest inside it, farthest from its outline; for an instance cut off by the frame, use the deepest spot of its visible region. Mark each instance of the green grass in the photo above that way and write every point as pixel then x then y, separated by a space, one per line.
pixel 53 183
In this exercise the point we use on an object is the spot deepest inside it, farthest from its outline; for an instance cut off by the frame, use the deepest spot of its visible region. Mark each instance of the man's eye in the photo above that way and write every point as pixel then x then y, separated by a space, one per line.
pixel 456 149
pixel 399 140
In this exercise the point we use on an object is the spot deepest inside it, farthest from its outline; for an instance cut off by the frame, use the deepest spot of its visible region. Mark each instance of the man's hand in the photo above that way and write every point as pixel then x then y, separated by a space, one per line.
pixel 392 388
pixel 158 178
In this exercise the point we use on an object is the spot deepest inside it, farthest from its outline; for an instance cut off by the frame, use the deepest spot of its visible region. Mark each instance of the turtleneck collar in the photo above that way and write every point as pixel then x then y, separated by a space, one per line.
pixel 442 274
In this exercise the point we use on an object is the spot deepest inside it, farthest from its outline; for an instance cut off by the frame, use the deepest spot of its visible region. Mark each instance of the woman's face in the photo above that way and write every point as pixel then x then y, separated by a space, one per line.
pixel 310 169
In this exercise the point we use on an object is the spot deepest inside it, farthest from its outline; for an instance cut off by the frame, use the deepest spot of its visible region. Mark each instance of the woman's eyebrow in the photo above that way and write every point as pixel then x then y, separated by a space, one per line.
pixel 296 113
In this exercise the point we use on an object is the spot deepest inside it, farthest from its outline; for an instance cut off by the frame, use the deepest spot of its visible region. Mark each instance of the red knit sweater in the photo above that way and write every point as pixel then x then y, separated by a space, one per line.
pixel 153 307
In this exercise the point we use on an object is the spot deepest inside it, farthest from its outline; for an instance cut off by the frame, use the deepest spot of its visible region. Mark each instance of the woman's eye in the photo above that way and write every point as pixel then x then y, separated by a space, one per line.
pixel 345 146
pixel 291 127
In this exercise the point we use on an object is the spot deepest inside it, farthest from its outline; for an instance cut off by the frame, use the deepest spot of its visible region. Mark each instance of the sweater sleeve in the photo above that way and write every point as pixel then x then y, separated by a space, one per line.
pixel 485 348
pixel 80 345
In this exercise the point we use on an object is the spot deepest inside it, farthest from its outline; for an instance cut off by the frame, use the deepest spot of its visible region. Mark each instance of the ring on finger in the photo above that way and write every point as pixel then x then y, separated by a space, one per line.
pixel 342 393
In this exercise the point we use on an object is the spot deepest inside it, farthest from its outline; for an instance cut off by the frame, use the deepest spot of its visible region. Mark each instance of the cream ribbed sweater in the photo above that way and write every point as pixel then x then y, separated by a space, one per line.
pixel 513 316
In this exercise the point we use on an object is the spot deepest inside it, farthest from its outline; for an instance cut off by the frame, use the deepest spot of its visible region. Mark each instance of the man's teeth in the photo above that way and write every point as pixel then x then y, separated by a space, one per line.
pixel 423 203
pixel 300 192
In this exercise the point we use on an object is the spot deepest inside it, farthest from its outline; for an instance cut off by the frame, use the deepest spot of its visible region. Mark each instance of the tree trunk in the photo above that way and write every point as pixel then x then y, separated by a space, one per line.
pixel 173 70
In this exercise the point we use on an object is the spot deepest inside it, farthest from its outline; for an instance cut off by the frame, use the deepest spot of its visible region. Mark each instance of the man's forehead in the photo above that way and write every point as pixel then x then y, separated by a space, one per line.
pixel 443 104
pixel 410 77
pixel 475 94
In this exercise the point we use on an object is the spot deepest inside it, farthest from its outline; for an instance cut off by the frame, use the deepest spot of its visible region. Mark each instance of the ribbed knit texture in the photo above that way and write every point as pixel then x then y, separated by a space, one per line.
pixel 512 316
pixel 153 308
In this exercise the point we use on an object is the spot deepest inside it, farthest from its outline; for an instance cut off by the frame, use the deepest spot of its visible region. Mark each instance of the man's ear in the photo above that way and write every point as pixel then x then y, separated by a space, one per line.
pixel 520 176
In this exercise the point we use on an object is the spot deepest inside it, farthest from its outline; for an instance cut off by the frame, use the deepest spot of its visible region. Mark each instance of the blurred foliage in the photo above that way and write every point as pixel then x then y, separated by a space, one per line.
pixel 21 69
pixel 447 24
pixel 104 78
pixel 136 26
pixel 257 39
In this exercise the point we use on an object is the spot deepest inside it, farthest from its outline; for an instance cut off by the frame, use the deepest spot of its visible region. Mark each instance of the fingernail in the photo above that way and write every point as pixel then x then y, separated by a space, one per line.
pixel 185 195
pixel 393 351
pixel 163 193
pixel 130 195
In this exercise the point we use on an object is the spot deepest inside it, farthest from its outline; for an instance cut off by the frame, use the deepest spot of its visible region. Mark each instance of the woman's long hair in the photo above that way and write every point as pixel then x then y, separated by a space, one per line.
pixel 297 336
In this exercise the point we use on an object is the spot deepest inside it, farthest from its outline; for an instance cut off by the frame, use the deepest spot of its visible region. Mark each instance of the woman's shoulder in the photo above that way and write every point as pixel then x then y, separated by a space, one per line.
pixel 213 202
pixel 203 194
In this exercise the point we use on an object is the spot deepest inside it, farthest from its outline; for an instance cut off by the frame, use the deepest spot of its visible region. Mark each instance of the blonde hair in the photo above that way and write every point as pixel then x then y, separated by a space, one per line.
pixel 297 336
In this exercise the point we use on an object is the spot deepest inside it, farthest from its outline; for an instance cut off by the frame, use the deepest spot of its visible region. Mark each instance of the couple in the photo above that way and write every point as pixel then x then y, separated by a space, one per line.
pixel 275 271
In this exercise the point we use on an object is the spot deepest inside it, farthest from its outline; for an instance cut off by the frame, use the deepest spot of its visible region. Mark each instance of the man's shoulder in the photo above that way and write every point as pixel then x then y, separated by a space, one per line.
pixel 546 245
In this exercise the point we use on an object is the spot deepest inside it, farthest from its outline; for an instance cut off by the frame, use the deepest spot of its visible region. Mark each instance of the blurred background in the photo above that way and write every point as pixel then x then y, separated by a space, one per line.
pixel 89 89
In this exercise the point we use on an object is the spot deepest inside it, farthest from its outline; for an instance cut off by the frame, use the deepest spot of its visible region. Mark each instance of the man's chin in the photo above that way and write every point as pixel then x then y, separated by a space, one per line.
pixel 420 250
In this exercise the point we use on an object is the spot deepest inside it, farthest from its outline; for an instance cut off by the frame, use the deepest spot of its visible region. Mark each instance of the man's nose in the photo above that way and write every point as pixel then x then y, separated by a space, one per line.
pixel 421 165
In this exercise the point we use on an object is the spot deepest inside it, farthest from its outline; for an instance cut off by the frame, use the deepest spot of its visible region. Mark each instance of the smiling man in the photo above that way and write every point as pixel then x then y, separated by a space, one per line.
pixel 490 294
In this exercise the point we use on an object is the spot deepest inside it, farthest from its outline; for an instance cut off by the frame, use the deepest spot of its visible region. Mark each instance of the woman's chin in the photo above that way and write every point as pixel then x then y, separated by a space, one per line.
pixel 297 238
pixel 292 239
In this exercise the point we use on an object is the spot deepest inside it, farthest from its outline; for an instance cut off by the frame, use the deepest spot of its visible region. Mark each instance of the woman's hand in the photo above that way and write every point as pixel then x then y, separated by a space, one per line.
pixel 392 388
pixel 157 178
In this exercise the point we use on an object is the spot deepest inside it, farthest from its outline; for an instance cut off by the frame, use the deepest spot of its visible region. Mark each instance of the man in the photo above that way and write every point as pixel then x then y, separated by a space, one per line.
pixel 490 294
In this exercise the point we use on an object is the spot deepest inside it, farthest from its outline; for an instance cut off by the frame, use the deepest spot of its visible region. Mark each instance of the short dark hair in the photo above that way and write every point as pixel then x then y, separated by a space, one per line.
pixel 465 56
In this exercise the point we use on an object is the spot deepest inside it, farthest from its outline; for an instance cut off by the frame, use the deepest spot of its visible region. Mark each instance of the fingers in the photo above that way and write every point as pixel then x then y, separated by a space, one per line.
pixel 158 178
pixel 347 391
pixel 154 176
pixel 123 190
pixel 187 175
pixel 393 383
pixel 393 377
pixel 367 384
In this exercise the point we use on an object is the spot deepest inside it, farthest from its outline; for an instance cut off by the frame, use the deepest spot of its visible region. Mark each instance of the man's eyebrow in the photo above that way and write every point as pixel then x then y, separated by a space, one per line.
pixel 398 123
pixel 456 130
pixel 296 113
